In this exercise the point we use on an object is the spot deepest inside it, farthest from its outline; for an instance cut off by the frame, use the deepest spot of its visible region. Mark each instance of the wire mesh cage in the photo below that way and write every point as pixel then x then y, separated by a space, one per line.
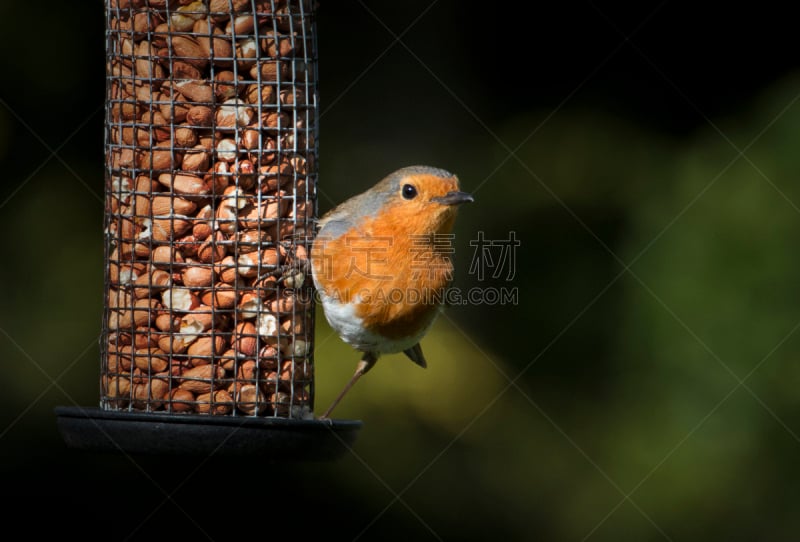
pixel 211 153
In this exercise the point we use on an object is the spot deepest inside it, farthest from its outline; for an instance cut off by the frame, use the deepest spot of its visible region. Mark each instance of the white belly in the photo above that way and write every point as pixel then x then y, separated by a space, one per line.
pixel 343 319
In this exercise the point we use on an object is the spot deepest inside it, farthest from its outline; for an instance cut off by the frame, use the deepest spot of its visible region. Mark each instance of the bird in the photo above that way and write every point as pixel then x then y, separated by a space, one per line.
pixel 381 264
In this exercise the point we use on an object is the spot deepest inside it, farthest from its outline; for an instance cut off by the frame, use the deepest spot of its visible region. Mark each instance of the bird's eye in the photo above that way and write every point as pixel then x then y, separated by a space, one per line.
pixel 409 192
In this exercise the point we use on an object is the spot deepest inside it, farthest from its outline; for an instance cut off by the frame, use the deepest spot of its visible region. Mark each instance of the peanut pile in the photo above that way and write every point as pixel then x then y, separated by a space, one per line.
pixel 210 197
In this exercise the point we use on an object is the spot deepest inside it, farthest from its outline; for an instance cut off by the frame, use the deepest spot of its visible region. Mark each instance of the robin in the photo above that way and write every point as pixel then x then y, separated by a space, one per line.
pixel 381 264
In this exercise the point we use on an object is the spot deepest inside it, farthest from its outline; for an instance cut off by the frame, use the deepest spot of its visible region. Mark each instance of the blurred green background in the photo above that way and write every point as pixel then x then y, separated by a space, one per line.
pixel 643 388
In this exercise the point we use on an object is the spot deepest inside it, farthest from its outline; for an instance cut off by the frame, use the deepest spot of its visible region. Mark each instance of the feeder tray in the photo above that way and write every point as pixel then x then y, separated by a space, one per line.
pixel 96 430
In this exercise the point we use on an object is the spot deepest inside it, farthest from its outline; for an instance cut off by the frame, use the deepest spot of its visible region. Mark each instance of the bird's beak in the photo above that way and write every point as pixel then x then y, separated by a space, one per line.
pixel 454 198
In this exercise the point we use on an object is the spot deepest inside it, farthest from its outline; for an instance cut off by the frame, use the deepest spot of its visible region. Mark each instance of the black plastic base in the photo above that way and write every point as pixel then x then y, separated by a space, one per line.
pixel 97 430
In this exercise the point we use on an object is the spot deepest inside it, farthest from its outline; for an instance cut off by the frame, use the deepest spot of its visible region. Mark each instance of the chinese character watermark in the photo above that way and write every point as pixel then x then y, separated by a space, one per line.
pixel 430 256
pixel 424 275
pixel 374 249
pixel 496 255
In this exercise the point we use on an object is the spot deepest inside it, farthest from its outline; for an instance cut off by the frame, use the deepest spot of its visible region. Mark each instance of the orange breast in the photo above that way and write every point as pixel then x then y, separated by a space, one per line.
pixel 396 271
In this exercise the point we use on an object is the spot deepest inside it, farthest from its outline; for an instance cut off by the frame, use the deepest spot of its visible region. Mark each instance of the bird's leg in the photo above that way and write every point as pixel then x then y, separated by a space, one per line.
pixel 366 363
pixel 280 272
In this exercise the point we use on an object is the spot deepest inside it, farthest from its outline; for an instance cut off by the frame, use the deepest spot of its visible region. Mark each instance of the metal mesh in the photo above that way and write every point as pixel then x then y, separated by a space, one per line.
pixel 211 156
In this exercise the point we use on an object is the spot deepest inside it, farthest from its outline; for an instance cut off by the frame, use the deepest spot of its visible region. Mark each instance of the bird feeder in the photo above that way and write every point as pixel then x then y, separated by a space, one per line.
pixel 207 339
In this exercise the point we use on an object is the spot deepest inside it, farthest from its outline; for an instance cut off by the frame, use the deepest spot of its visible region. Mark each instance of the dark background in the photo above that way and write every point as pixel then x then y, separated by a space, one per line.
pixel 645 385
